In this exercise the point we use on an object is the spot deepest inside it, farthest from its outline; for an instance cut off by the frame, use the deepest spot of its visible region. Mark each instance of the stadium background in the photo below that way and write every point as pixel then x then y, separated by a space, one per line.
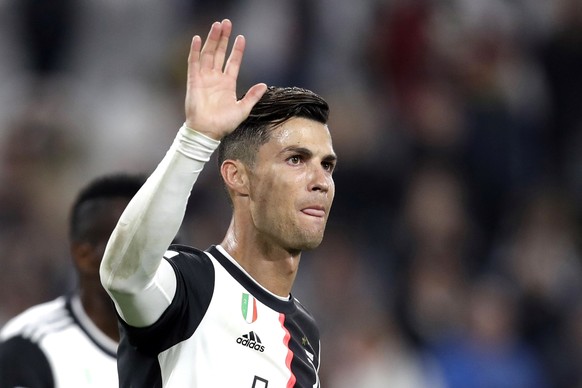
pixel 452 256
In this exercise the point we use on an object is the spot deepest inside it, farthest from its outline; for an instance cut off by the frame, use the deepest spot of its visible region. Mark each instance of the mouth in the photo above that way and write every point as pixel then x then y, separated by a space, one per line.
pixel 314 211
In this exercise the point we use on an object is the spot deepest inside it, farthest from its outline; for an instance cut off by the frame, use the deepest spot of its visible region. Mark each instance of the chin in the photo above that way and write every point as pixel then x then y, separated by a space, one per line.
pixel 311 243
pixel 303 239
pixel 311 247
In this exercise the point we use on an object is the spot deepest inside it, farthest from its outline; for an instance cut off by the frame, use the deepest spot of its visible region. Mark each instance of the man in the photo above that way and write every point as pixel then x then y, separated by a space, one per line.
pixel 72 340
pixel 225 317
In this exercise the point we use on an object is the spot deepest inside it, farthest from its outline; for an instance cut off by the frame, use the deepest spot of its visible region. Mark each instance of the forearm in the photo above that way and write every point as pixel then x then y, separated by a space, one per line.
pixel 130 270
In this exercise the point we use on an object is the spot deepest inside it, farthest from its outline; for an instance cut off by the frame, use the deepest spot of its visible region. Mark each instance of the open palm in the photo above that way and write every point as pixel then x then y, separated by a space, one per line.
pixel 211 106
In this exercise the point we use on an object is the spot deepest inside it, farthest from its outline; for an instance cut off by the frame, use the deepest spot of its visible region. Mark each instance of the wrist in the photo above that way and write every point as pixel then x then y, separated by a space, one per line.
pixel 210 135
pixel 195 145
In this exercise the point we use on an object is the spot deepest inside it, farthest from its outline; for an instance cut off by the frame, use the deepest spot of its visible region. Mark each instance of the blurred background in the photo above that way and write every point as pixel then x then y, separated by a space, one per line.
pixel 452 257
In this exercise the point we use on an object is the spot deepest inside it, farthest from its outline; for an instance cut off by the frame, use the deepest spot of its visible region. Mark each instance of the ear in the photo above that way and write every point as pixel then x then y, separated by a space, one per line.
pixel 82 253
pixel 236 177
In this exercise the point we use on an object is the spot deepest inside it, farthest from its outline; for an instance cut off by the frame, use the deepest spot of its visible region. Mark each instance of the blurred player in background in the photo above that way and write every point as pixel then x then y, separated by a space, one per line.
pixel 71 342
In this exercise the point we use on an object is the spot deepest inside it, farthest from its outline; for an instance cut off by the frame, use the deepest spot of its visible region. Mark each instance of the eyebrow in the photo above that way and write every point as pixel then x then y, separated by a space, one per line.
pixel 307 152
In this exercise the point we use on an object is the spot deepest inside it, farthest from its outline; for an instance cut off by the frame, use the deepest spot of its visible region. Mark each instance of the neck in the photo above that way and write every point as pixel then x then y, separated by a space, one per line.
pixel 272 266
pixel 100 310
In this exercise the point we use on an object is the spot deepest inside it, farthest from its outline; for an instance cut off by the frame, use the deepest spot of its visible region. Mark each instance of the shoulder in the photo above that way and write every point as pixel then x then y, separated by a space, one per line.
pixel 193 267
pixel 303 310
pixel 23 363
pixel 305 318
pixel 36 320
pixel 184 250
pixel 22 360
pixel 187 259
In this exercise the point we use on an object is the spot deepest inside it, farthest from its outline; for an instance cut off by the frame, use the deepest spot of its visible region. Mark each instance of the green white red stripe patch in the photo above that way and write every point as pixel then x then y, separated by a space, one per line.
pixel 249 308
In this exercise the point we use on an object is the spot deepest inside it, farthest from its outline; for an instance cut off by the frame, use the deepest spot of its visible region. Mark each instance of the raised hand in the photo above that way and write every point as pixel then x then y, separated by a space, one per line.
pixel 211 106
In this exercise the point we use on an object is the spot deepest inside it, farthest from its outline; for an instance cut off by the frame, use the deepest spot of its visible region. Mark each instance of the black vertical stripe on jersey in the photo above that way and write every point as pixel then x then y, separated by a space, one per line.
pixel 140 371
pixel 304 371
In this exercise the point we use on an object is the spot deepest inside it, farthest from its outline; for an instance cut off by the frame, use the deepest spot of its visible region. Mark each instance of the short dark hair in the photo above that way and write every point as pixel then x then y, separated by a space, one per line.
pixel 276 106
pixel 89 202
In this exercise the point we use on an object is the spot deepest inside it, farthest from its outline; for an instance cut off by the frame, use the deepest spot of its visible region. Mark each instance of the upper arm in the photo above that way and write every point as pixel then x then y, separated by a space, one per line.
pixel 194 290
pixel 144 308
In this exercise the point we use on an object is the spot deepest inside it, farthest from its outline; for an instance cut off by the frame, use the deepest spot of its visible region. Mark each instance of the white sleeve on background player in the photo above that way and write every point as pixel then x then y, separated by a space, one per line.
pixel 133 271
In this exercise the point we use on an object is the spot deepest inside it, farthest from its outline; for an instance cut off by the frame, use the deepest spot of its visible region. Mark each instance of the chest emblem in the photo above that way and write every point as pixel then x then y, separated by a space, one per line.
pixel 249 308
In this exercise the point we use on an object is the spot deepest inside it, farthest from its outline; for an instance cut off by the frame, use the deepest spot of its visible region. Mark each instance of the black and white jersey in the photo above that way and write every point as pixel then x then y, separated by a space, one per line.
pixel 222 329
pixel 56 345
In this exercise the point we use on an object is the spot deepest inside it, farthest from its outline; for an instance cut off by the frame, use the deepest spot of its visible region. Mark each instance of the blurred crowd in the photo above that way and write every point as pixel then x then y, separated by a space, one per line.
pixel 452 257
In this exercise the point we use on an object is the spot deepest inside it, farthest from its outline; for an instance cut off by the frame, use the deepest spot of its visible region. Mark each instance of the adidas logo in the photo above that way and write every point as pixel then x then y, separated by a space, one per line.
pixel 252 341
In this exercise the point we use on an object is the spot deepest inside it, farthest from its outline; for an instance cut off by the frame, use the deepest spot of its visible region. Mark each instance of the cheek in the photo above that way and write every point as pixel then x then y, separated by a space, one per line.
pixel 263 197
pixel 270 187
pixel 273 201
pixel 262 192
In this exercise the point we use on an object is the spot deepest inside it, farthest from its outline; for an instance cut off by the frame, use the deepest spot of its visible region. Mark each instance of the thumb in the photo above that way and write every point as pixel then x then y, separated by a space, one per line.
pixel 253 96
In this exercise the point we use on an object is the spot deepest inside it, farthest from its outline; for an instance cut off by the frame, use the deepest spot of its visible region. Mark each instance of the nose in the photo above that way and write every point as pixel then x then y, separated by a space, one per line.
pixel 321 179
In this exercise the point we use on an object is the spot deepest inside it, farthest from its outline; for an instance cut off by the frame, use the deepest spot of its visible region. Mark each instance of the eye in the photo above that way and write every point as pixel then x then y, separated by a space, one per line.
pixel 294 160
pixel 328 166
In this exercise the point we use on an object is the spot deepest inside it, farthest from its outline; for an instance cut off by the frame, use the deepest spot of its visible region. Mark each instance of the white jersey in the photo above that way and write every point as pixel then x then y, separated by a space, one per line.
pixel 55 344
pixel 222 330
pixel 196 319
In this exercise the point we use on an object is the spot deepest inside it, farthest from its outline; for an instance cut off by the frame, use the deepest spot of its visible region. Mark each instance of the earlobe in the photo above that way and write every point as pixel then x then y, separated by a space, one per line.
pixel 235 176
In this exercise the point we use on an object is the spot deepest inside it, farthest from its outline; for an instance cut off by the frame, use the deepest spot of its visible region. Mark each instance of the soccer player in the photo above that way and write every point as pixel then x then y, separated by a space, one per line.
pixel 225 317
pixel 71 342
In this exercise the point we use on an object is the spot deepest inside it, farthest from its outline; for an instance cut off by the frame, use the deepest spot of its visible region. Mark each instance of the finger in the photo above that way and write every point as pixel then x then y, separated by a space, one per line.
pixel 252 96
pixel 222 44
pixel 235 58
pixel 209 48
pixel 194 55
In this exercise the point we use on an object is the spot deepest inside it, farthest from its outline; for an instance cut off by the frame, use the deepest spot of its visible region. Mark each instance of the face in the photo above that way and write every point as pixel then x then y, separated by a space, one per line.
pixel 291 187
pixel 89 258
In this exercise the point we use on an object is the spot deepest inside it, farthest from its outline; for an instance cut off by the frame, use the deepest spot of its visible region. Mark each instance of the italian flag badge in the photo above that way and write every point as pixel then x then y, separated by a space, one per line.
pixel 249 308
